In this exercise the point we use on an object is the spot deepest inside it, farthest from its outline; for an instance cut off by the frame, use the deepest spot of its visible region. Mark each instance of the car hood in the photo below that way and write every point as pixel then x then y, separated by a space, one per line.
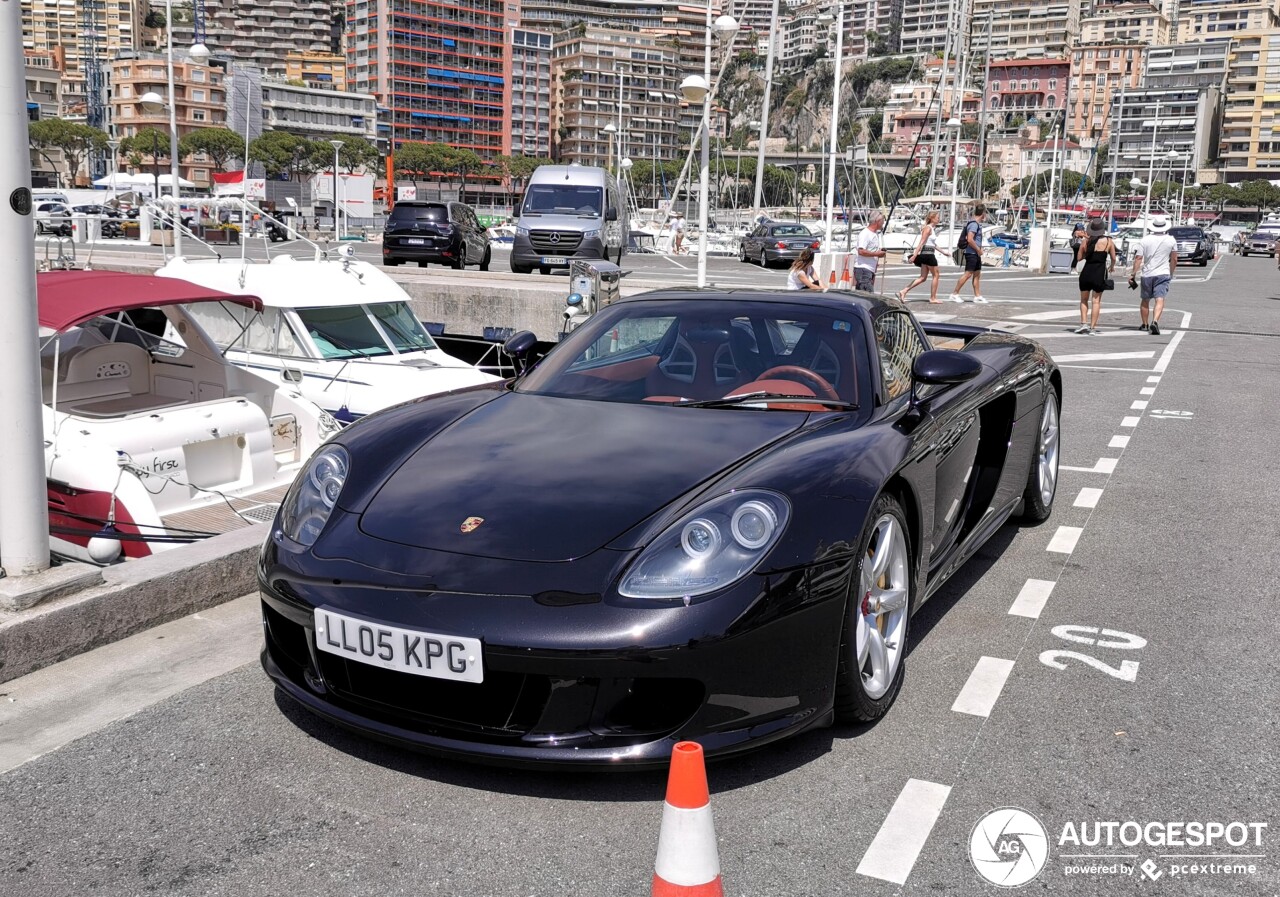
pixel 553 479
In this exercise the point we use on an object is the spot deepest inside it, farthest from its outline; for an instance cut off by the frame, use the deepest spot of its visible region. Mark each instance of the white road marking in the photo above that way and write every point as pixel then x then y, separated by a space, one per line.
pixel 896 847
pixel 1088 497
pixel 1059 315
pixel 1153 379
pixel 1147 391
pixel 1102 356
pixel 1032 598
pixel 1065 539
pixel 1104 465
pixel 983 687
pixel 1166 356
pixel 1130 421
pixel 1139 405
pixel 1118 442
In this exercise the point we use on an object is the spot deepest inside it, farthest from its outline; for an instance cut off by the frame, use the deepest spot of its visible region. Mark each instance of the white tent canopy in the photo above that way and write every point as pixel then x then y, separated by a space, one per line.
pixel 140 182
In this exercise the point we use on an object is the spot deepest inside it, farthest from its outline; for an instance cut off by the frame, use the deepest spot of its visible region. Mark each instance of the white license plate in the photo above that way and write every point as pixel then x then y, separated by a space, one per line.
pixel 554 260
pixel 402 650
pixel 414 241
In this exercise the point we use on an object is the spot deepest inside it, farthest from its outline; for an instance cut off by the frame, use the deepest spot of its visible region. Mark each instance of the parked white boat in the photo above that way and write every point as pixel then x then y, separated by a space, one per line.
pixel 340 329
pixel 151 438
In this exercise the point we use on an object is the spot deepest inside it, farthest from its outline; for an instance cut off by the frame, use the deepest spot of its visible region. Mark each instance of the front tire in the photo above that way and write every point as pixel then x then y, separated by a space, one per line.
pixel 484 262
pixel 873 643
pixel 1042 478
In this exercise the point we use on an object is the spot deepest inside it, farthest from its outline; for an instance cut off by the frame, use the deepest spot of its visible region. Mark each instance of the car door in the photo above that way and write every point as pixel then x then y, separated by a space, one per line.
pixel 949 431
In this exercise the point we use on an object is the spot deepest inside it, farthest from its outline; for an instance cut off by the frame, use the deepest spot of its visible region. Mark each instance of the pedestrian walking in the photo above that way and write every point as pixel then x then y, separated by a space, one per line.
pixel 677 232
pixel 1098 253
pixel 1155 261
pixel 802 276
pixel 869 253
pixel 970 247
pixel 926 256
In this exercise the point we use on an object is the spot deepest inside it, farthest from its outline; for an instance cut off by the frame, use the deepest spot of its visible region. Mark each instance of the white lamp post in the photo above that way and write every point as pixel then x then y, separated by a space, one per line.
pixel 953 125
pixel 153 102
pixel 835 112
pixel 763 126
pixel 337 217
pixel 698 88
pixel 114 145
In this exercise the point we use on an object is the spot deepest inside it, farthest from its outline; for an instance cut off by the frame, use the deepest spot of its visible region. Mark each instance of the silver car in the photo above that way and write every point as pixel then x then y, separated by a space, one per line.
pixel 777 241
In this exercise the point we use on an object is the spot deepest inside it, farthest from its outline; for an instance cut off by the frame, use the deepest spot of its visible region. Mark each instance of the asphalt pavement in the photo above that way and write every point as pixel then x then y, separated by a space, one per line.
pixel 1110 673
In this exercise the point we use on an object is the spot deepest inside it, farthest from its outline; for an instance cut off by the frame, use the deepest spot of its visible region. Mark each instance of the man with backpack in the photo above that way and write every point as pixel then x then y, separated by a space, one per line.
pixel 969 253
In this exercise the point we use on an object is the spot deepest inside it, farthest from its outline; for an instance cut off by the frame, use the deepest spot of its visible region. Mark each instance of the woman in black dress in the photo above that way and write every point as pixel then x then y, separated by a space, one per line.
pixel 1098 252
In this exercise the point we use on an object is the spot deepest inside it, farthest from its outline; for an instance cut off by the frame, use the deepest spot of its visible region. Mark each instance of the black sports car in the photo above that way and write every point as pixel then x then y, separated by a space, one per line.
pixel 703 515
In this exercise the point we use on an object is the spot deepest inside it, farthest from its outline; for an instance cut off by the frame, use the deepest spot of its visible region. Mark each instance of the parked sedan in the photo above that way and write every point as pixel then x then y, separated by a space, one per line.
pixel 1195 247
pixel 776 241
pixel 53 218
pixel 703 515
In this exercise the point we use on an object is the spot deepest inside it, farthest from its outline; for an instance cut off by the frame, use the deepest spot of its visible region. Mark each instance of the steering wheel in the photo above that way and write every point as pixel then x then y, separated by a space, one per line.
pixel 808 377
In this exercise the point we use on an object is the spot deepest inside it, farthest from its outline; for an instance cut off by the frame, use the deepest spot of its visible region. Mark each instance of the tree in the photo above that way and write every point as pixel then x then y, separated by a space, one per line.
pixel 413 161
pixel 221 145
pixel 917 182
pixel 1260 194
pixel 75 139
pixel 355 153
pixel 1224 195
pixel 287 155
pixel 150 142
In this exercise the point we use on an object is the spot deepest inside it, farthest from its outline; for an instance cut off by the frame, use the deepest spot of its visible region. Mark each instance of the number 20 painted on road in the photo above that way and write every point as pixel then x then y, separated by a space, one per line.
pixel 1105 638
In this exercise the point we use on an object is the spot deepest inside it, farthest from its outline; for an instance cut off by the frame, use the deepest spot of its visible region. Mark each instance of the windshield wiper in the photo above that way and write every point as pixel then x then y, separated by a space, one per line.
pixel 752 397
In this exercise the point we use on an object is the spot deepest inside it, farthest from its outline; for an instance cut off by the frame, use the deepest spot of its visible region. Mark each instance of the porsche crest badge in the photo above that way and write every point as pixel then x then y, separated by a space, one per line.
pixel 471 523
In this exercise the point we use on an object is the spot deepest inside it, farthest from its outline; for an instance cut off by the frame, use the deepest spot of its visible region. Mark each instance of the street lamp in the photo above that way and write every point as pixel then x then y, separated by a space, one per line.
pixel 610 131
pixel 835 112
pixel 695 89
pixel 337 227
pixel 114 145
pixel 763 126
pixel 153 102
pixel 953 125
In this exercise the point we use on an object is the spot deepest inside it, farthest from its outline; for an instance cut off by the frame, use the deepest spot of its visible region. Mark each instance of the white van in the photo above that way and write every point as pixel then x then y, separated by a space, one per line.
pixel 568 212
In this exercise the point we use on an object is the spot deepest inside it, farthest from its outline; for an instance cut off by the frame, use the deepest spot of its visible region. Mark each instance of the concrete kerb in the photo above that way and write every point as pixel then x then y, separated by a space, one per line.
pixel 130 598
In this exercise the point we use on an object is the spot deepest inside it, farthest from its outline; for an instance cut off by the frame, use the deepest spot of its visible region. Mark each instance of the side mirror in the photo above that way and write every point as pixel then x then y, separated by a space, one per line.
pixel 611 214
pixel 941 367
pixel 520 344
pixel 944 367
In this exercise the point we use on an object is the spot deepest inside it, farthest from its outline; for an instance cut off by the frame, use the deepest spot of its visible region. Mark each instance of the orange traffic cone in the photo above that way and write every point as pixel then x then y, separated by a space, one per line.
pixel 846 280
pixel 688 864
pixel 832 280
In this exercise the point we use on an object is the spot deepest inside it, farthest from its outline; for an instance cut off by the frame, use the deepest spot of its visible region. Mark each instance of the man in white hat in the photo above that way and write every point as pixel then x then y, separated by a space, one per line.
pixel 1156 258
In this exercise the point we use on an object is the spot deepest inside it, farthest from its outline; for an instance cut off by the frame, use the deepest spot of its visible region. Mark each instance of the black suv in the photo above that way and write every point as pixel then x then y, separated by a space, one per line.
pixel 445 232
pixel 1195 247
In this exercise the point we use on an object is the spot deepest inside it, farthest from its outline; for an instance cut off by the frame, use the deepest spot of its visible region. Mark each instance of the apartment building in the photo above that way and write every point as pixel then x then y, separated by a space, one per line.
pixel 1126 22
pixel 872 27
pixel 603 76
pixel 924 26
pixel 441 68
pixel 44 100
pixel 1098 74
pixel 1026 28
pixel 1250 146
pixel 1206 19
pixel 324 70
pixel 683 24
pixel 1156 121
pixel 200 97
pixel 263 32
pixel 1199 64
pixel 908 113
pixel 1028 87
pixel 531 93
pixel 78 32
pixel 318 113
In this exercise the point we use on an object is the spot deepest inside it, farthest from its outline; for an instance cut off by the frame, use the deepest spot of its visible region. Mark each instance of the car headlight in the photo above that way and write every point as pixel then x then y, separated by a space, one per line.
pixel 709 548
pixel 591 234
pixel 307 507
pixel 522 231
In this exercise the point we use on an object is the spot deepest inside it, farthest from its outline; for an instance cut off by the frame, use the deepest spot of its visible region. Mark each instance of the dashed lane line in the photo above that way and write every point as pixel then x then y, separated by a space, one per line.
pixel 1088 498
pixel 1104 465
pixel 1139 405
pixel 1118 442
pixel 1031 600
pixel 896 847
pixel 1130 421
pixel 982 690
pixel 1065 539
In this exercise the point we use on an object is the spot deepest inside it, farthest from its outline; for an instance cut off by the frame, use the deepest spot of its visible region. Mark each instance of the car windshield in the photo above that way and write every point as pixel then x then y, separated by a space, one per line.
pixel 1186 233
pixel 695 350
pixel 563 199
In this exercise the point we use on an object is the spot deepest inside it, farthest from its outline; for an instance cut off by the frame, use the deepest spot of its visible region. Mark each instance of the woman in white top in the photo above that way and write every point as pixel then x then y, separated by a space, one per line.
pixel 926 256
pixel 802 276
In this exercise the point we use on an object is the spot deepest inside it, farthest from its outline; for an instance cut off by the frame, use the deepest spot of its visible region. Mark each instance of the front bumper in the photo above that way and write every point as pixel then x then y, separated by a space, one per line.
pixel 572 679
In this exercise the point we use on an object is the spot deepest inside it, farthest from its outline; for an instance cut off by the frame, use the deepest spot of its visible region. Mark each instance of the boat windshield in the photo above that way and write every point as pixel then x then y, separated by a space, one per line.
pixel 358 331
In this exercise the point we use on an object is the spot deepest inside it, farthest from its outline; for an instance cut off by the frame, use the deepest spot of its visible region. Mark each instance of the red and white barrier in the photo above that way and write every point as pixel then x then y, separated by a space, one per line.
pixel 688 864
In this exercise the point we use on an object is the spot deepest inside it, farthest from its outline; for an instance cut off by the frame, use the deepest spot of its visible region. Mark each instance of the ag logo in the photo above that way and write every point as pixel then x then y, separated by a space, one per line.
pixel 1008 847
pixel 471 523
